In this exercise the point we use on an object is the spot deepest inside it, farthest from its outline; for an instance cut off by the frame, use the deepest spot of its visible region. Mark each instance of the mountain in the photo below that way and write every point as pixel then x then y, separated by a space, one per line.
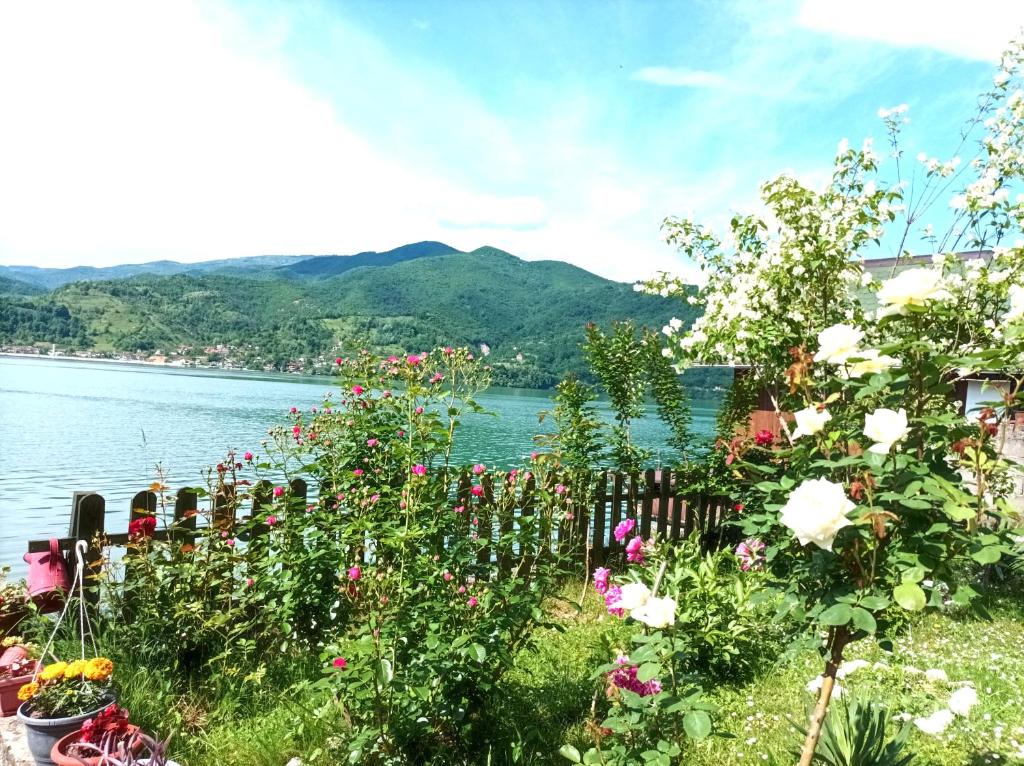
pixel 50 279
pixel 529 314
pixel 332 265
pixel 9 286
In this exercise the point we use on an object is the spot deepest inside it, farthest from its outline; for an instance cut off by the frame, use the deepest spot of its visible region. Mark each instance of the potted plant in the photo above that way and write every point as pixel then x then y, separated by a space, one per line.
pixel 110 752
pixel 60 699
pixel 110 728
pixel 18 664
pixel 13 602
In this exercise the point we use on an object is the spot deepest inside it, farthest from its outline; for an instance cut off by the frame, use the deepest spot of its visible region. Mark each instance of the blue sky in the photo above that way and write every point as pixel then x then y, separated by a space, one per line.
pixel 143 130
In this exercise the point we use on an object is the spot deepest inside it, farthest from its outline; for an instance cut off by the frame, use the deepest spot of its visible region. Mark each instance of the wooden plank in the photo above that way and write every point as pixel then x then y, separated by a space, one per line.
pixel 536 541
pixel 670 500
pixel 262 497
pixel 224 508
pixel 647 501
pixel 506 511
pixel 186 504
pixel 598 545
pixel 662 509
pixel 89 521
pixel 690 512
pixel 485 515
pixel 616 515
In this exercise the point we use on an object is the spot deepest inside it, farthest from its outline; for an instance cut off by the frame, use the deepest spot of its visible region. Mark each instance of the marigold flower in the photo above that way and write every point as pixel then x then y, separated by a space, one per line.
pixel 28 691
pixel 74 670
pixel 53 672
pixel 98 669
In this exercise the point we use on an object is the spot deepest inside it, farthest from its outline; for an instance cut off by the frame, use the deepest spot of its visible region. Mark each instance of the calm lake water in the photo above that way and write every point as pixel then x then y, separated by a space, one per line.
pixel 73 425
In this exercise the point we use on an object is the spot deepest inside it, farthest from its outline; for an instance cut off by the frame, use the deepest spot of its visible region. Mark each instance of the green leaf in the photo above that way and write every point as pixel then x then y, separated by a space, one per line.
pixel 697 724
pixel 875 603
pixel 384 672
pixel 570 753
pixel 909 596
pixel 647 671
pixel 988 555
pixel 477 652
pixel 837 614
pixel 863 620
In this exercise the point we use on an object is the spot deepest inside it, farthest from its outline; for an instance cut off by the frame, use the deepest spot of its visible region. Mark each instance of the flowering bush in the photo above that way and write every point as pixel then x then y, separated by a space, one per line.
pixel 64 689
pixel 883 493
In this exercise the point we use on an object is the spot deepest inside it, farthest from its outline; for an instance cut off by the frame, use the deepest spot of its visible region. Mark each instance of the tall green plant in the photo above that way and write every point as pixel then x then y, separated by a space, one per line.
pixel 669 394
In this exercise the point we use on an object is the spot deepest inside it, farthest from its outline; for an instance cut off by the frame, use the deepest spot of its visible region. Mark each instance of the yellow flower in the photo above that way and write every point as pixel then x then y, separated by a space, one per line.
pixel 98 669
pixel 54 671
pixel 74 670
pixel 28 691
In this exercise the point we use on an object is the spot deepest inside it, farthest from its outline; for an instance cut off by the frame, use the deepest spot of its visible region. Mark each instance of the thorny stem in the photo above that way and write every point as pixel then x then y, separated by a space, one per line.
pixel 838 639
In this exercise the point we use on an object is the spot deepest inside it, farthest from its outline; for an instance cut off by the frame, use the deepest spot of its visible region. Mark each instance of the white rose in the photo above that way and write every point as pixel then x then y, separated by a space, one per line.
pixel 816 511
pixel 962 700
pixel 1016 304
pixel 869 362
pixel 885 428
pixel 838 343
pixel 913 287
pixel 810 420
pixel 936 723
pixel 633 595
pixel 656 612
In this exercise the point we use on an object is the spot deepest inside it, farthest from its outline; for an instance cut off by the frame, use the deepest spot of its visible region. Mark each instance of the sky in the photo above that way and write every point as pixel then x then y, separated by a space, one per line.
pixel 143 130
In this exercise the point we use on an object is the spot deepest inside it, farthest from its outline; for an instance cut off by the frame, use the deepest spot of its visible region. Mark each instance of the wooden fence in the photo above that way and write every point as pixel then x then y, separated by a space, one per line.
pixel 651 498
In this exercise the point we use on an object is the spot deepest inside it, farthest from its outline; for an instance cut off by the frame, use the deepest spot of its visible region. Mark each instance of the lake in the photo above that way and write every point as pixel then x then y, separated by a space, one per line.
pixel 77 425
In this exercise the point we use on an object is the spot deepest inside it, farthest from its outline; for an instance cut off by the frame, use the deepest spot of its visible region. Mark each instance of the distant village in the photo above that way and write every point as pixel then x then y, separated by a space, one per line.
pixel 219 357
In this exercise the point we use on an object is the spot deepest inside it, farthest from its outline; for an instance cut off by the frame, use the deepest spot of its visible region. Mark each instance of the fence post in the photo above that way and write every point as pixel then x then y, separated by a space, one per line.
pixel 224 508
pixel 616 517
pixel 186 504
pixel 485 516
pixel 598 549
pixel 87 523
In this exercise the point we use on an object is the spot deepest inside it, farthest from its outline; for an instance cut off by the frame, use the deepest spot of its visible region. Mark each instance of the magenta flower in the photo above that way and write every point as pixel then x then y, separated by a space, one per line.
pixel 372 442
pixel 624 528
pixel 612 597
pixel 462 589
pixel 374 498
pixel 339 360
pixel 249 582
pixel 750 553
pixel 413 359
pixel 601 575
pixel 385 394
pixel 419 470
pixel 459 508
pixel 635 550
pixel 354 573
pixel 625 677
pixel 438 377
pixel 357 472
pixel 357 389
pixel 419 410
pixel 479 468
pixel 271 520
pixel 448 350
pixel 559 489
pixel 278 491
pixel 247 456
pixel 293 410
pixel 477 490
pixel 447 576
pixel 472 601
pixel 533 456
pixel 340 663
pixel 230 543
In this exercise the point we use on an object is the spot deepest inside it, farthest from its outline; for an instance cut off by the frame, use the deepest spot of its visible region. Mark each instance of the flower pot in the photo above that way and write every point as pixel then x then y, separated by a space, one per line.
pixel 42 733
pixel 9 701
pixel 58 756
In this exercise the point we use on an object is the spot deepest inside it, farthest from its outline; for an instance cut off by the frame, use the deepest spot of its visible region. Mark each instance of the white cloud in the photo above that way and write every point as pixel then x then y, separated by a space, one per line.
pixel 978 30
pixel 680 77
pixel 488 211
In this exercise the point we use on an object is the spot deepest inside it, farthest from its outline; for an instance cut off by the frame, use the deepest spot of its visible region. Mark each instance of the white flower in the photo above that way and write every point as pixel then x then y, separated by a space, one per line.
pixel 870 362
pixel 962 700
pixel 656 612
pixel 885 428
pixel 838 343
pixel 675 323
pixel 848 668
pixel 936 723
pixel 913 287
pixel 936 675
pixel 810 420
pixel 814 687
pixel 816 511
pixel 632 596
pixel 1016 304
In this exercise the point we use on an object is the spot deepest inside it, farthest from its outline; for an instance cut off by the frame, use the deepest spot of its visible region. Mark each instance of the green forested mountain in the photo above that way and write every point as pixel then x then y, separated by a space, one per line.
pixel 9 286
pixel 530 315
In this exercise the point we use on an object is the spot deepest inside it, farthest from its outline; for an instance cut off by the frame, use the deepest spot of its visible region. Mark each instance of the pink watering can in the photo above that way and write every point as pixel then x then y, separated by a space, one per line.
pixel 48 579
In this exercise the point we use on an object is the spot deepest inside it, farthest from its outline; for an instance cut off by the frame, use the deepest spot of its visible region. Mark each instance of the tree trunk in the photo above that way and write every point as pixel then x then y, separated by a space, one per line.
pixel 837 642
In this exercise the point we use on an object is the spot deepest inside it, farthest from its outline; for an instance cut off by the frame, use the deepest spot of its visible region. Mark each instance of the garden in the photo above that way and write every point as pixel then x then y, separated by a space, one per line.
pixel 344 593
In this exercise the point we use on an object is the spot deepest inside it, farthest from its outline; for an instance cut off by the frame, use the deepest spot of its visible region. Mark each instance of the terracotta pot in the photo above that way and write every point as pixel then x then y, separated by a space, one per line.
pixel 13 654
pixel 9 701
pixel 57 751
pixel 42 733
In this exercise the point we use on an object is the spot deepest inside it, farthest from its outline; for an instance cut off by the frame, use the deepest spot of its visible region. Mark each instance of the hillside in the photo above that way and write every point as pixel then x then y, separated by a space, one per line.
pixel 530 315
pixel 10 286
pixel 332 265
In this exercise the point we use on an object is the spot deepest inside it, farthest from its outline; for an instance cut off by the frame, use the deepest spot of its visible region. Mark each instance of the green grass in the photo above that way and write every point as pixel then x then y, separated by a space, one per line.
pixel 547 698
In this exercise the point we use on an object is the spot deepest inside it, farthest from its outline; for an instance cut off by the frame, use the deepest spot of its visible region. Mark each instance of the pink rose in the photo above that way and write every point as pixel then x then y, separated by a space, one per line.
pixel 340 663
pixel 357 472
pixel 477 490
pixel 635 550
pixel 447 576
pixel 413 359
pixel 354 573
pixel 271 520
pixel 479 468
pixel 624 528
pixel 372 442
pixel 472 601
pixel 357 389
pixel 247 456
pixel 601 575
pixel 419 470
pixel 278 491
